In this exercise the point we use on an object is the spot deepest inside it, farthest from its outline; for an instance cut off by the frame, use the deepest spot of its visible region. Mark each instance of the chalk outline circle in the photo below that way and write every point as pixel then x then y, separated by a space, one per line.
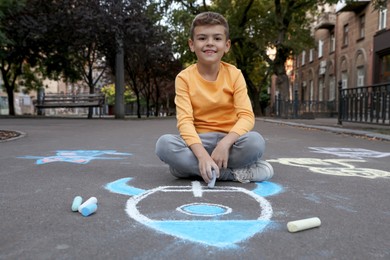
pixel 133 212
pixel 227 211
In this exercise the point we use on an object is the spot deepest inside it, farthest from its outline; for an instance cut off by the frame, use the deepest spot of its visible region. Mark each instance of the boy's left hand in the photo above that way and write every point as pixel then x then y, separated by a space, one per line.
pixel 220 155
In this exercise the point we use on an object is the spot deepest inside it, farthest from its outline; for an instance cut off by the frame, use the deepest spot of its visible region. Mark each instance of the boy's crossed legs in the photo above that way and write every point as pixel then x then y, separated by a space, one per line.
pixel 244 163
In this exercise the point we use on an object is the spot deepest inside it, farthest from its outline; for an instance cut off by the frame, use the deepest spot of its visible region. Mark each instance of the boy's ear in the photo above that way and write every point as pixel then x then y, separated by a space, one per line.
pixel 191 44
pixel 227 46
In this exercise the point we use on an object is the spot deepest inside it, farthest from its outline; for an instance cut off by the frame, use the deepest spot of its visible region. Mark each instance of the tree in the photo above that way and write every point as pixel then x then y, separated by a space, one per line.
pixel 42 41
pixel 18 45
pixel 149 60
pixel 89 23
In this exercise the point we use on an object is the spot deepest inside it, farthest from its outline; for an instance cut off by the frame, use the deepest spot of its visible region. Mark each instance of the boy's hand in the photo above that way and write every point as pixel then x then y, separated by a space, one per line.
pixel 206 167
pixel 221 152
pixel 206 163
pixel 220 155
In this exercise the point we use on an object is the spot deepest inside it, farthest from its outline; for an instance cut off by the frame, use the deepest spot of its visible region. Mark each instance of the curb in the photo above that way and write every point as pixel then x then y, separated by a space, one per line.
pixel 333 129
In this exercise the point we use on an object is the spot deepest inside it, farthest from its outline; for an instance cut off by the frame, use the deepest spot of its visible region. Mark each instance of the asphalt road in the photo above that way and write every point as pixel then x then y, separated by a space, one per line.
pixel 145 213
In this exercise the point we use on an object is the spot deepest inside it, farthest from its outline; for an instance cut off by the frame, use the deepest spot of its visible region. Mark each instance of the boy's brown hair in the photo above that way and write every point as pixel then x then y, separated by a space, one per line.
pixel 209 18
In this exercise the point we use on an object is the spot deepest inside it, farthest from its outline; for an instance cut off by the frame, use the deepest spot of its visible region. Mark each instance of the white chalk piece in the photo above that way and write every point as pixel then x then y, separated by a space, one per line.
pixel 89 209
pixel 91 200
pixel 303 224
pixel 211 184
pixel 76 203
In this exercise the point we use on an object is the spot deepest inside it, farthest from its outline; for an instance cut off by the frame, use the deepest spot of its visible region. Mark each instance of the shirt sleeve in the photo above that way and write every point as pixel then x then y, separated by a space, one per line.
pixel 184 112
pixel 243 107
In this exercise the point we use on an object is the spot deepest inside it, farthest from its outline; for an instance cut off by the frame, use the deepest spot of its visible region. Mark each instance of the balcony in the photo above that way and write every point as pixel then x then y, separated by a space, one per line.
pixel 326 21
pixel 351 5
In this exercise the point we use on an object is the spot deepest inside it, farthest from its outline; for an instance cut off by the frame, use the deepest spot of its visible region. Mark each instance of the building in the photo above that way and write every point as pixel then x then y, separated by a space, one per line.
pixel 352 47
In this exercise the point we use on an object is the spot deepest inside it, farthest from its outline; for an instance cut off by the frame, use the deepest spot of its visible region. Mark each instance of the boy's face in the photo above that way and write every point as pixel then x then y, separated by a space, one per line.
pixel 209 43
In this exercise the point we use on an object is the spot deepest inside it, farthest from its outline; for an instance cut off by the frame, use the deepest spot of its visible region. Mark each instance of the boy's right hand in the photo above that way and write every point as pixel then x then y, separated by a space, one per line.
pixel 206 167
pixel 206 163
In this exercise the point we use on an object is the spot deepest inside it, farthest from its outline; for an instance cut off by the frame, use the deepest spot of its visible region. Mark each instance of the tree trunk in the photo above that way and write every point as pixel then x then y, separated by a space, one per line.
pixel 11 103
pixel 283 86
pixel 90 110
pixel 256 103
pixel 138 105
pixel 282 83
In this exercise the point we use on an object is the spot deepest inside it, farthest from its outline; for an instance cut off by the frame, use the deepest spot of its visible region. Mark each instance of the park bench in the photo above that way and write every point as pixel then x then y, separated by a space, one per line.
pixel 70 101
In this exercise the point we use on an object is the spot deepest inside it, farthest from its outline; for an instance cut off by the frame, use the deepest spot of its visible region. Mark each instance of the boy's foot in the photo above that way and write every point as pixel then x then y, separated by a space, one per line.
pixel 259 171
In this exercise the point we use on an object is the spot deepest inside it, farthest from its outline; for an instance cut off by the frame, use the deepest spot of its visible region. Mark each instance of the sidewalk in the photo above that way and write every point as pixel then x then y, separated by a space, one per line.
pixel 380 132
pixel 373 131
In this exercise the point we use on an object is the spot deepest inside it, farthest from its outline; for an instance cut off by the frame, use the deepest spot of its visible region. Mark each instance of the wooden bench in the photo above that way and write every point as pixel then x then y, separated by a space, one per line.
pixel 70 101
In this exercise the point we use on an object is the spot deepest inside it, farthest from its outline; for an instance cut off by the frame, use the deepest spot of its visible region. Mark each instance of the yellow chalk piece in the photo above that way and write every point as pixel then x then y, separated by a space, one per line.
pixel 303 224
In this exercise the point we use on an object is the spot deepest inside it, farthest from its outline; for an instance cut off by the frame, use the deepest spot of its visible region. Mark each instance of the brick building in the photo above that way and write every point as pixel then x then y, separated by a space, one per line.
pixel 352 47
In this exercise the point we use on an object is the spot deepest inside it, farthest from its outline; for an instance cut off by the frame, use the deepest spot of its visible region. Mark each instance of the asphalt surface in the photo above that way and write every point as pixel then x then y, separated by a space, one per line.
pixel 145 213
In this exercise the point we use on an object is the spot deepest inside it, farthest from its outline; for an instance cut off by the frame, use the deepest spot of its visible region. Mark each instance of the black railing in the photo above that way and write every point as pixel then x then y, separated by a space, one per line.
pixel 303 108
pixel 370 104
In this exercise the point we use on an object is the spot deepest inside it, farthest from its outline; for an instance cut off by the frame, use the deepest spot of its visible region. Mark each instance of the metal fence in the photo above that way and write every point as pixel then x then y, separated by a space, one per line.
pixel 304 109
pixel 369 104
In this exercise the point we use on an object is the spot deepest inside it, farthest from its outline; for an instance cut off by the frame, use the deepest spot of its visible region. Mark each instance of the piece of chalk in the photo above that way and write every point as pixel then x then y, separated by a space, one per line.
pixel 91 200
pixel 211 184
pixel 89 209
pixel 303 224
pixel 76 203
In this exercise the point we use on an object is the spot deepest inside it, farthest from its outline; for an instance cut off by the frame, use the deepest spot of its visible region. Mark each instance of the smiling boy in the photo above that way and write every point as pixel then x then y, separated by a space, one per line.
pixel 214 114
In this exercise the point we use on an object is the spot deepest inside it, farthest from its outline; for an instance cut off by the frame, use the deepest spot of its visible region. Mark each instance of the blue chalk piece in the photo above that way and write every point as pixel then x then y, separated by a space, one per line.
pixel 76 203
pixel 211 184
pixel 88 210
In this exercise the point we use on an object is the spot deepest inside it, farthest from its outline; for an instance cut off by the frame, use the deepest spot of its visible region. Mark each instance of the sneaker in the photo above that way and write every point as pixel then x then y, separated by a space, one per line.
pixel 259 171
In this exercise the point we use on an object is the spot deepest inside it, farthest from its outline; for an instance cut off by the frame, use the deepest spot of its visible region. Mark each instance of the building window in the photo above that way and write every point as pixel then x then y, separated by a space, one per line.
pixel 360 76
pixel 344 80
pixel 320 48
pixel 321 89
pixel 311 85
pixel 332 42
pixel 385 68
pixel 345 35
pixel 382 19
pixel 303 57
pixel 311 55
pixel 362 24
pixel 332 88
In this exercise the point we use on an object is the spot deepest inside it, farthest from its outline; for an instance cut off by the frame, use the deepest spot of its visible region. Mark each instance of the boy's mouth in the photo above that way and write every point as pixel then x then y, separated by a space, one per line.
pixel 209 51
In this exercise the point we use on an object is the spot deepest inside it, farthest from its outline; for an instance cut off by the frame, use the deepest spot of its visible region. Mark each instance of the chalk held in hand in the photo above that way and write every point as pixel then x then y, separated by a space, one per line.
pixel 89 209
pixel 91 200
pixel 211 184
pixel 303 224
pixel 76 203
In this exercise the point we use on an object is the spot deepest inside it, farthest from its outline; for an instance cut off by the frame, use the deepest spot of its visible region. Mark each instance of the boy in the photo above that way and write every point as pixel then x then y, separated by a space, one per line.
pixel 214 114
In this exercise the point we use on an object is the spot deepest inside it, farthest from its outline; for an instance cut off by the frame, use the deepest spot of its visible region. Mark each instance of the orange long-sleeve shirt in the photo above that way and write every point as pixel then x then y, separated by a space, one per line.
pixel 212 106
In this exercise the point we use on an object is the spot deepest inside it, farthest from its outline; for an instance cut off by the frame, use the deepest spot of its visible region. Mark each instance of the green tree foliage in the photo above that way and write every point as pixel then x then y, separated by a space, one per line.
pixel 109 92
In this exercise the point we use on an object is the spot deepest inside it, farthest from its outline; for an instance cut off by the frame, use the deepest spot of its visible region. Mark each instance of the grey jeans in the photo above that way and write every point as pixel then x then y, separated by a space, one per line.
pixel 173 150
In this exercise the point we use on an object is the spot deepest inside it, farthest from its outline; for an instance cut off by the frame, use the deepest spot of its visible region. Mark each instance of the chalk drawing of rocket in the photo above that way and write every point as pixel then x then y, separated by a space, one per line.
pixel 198 214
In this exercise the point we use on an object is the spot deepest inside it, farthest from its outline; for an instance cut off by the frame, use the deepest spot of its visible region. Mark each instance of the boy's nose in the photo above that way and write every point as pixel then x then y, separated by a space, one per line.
pixel 210 41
